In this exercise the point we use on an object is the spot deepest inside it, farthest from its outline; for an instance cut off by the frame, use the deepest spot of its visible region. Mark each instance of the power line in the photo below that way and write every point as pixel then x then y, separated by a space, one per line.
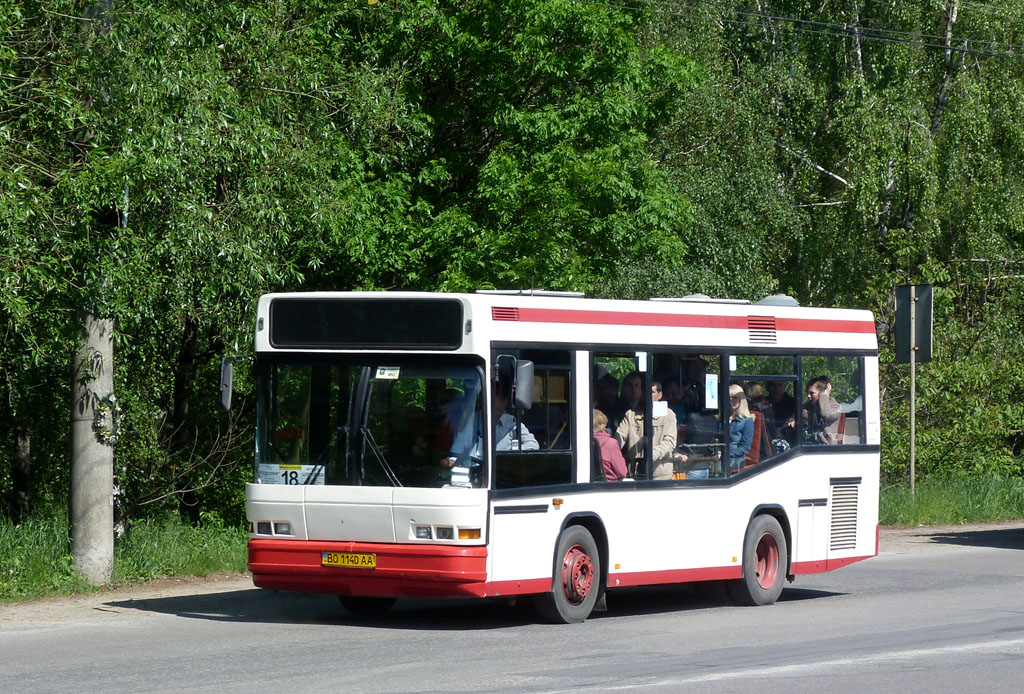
pixel 844 30
pixel 814 27
pixel 1001 12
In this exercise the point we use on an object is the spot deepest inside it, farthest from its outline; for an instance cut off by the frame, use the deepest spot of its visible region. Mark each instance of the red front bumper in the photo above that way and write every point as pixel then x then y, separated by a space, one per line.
pixel 402 570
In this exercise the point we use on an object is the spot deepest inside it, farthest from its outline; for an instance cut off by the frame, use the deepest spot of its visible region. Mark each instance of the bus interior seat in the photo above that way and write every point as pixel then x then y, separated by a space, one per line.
pixel 851 429
pixel 755 444
pixel 766 443
pixel 596 464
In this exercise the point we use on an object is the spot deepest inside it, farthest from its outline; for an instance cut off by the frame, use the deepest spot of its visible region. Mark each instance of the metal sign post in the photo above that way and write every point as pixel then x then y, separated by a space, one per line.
pixel 913 345
pixel 913 388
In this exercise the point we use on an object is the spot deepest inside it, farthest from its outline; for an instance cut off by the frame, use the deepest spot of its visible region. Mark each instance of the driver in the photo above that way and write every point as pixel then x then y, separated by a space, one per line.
pixel 504 434
pixel 505 427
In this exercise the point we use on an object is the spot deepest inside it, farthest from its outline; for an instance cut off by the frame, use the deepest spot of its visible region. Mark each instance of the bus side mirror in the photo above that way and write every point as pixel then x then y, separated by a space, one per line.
pixel 523 387
pixel 226 378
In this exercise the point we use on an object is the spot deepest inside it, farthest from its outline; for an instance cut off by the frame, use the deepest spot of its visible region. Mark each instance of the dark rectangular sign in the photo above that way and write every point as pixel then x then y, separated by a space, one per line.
pixel 348 323
pixel 922 327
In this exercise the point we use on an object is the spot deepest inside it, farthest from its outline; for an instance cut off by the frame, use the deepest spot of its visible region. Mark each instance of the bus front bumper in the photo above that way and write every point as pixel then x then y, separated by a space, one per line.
pixel 399 570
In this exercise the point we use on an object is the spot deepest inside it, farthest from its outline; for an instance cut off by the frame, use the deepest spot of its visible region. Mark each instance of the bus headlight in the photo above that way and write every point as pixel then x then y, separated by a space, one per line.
pixel 423 532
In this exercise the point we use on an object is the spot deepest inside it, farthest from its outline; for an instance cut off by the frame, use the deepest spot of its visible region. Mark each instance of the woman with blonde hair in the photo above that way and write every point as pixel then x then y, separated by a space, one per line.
pixel 741 427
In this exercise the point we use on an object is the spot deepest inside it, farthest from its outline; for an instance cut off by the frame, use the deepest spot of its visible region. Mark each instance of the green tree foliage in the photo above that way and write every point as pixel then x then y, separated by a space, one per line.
pixel 848 147
pixel 623 149
pixel 254 147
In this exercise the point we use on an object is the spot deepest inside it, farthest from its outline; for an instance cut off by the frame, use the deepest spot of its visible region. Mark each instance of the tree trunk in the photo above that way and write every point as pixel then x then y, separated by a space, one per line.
pixel 20 475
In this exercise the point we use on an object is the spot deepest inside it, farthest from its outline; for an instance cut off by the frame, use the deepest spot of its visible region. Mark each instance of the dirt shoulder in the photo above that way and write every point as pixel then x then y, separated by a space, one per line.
pixel 82 606
pixel 902 540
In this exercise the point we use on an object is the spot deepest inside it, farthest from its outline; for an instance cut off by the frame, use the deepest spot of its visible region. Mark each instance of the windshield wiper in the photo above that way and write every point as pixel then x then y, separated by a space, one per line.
pixel 380 457
pixel 339 434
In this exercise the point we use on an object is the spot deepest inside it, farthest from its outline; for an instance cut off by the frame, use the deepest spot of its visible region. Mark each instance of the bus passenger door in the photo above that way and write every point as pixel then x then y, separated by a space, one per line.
pixel 533 452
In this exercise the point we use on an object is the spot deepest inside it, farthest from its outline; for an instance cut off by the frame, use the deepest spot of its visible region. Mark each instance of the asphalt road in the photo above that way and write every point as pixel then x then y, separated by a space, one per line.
pixel 940 610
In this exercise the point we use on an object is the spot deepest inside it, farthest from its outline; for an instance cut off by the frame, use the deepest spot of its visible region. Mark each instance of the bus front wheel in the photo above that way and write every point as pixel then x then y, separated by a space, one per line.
pixel 576 582
pixel 765 560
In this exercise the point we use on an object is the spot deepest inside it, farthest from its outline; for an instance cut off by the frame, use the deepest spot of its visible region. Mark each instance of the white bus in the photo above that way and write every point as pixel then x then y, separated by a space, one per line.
pixel 385 468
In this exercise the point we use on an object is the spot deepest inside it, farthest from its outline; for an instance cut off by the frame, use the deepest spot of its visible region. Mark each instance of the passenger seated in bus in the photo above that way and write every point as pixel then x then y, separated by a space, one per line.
pixel 755 395
pixel 697 452
pixel 783 408
pixel 820 413
pixel 757 400
pixel 741 427
pixel 676 397
pixel 611 457
pixel 630 433
pixel 701 428
pixel 830 411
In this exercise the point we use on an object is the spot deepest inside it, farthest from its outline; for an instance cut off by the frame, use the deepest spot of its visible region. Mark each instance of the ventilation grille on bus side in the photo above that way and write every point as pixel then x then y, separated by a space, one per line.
pixel 500 313
pixel 761 329
pixel 844 517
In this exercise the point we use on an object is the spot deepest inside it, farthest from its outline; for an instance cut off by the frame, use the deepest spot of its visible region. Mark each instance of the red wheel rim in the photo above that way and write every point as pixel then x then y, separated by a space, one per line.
pixel 577 575
pixel 766 561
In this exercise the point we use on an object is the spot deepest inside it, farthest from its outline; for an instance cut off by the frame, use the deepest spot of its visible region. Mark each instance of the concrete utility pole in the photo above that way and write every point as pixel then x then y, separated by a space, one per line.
pixel 92 458
pixel 93 415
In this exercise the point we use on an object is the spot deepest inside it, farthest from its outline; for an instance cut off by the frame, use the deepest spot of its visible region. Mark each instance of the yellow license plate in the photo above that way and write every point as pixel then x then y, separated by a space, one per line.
pixel 349 560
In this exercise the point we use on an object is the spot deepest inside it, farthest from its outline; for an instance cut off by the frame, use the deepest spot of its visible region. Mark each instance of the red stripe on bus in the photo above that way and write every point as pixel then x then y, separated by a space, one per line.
pixel 650 578
pixel 669 320
pixel 825 325
pixel 525 587
pixel 819 567
pixel 440 571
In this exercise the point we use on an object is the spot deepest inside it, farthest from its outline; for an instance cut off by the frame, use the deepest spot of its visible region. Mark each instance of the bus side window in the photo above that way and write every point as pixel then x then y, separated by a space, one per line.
pixel 842 377
pixel 534 447
pixel 692 447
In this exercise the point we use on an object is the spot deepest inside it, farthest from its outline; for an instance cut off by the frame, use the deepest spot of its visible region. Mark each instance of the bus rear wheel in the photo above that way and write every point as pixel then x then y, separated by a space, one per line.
pixel 576 582
pixel 765 559
pixel 364 606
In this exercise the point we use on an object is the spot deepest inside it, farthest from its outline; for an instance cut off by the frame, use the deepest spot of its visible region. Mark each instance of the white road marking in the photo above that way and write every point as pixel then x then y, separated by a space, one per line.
pixel 769 671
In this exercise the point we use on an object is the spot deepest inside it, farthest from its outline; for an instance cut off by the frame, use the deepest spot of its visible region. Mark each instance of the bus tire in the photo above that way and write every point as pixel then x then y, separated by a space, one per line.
pixel 576 581
pixel 364 606
pixel 765 559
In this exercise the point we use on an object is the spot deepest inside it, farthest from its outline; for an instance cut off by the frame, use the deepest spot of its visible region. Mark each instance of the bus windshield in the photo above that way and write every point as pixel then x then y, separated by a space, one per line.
pixel 370 421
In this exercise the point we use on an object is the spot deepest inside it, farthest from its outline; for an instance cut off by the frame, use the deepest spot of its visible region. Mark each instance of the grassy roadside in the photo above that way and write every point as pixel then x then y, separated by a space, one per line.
pixel 35 559
pixel 952 501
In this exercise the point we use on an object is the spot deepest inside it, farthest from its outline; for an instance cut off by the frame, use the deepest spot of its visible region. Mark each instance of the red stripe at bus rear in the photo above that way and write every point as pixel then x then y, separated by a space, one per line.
pixel 671 320
pixel 824 325
pixel 818 567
